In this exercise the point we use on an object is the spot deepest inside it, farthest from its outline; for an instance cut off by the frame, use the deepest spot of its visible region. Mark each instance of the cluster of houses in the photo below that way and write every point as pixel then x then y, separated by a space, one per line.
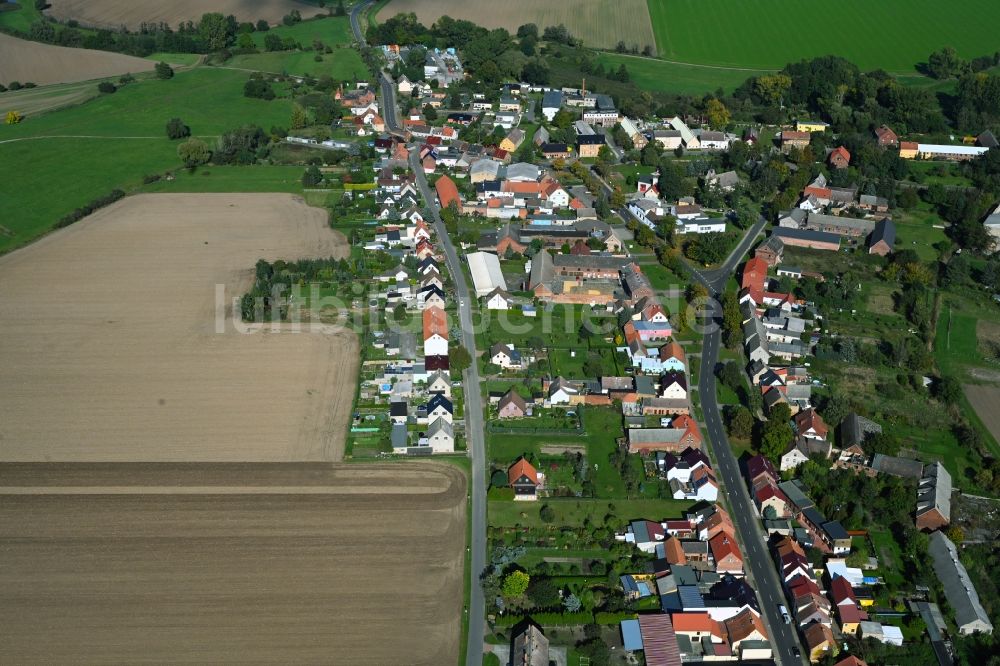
pixel 441 65
pixel 674 133
pixel 416 380
pixel 708 610
pixel 687 216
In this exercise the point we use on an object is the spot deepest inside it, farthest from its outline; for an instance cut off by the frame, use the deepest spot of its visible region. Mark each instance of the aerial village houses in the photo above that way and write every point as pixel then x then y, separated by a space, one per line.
pixel 524 479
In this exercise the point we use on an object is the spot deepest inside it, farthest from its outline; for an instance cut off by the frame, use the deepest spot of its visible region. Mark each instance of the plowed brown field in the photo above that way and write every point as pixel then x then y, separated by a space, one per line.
pixel 131 13
pixel 110 351
pixel 22 60
pixel 248 564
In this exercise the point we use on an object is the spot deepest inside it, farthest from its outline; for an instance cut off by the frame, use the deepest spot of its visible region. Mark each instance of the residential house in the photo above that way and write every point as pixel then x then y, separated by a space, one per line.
pixel 811 125
pixel 672 358
pixel 561 391
pixel 747 636
pixel 447 192
pixel 524 479
pixel 431 296
pixel 970 617
pixel 809 424
pixel 512 406
pixel 934 498
pixel 439 382
pixel 818 640
pixel 770 251
pixel 513 140
pixel 552 101
pixel 886 138
pixel 399 411
pixel 498 299
pixel 530 648
pixel 725 181
pixel 882 238
pixel 908 149
pixel 710 140
pixel 439 407
pixel 435 329
pixel 840 158
pixel 589 145
pixel 441 435
pixel 726 554
pixel 505 356
pixel 794 139
pixel 768 496
pixel 673 385
pixel 555 151
pixel 682 433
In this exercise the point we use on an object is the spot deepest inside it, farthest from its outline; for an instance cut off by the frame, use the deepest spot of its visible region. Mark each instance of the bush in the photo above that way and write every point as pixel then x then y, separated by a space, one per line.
pixel 126 79
pixel 84 211
pixel 151 178
pixel 15 85
pixel 500 494
pixel 164 71
pixel 106 87
pixel 176 129
pixel 259 89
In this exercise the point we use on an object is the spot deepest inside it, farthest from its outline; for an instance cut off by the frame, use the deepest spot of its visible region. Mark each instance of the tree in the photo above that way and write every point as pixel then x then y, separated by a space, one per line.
pixel 263 26
pixel 572 603
pixel 164 71
pixel 546 513
pixel 775 438
pixel 945 63
pixel 515 584
pixel 13 117
pixel 498 479
pixel 732 320
pixel 258 88
pixel 176 129
pixel 299 117
pixel 430 113
pixel 273 43
pixel 956 534
pixel 948 390
pixel 341 10
pixel 718 114
pixel 459 359
pixel 215 31
pixel 741 423
pixel 193 152
pixel 544 593
pixel 312 177
pixel 106 87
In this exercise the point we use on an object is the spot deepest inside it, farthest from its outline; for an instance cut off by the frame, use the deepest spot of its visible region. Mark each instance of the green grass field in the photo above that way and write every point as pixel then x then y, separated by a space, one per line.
pixel 258 178
pixel 330 30
pixel 343 64
pixel 58 173
pixel 186 59
pixel 893 35
pixel 676 78
pixel 574 511
pixel 21 18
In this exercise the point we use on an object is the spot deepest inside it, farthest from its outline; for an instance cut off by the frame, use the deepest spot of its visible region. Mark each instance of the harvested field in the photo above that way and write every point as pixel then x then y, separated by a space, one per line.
pixel 986 401
pixel 22 60
pixel 115 13
pixel 358 565
pixel 599 23
pixel 111 353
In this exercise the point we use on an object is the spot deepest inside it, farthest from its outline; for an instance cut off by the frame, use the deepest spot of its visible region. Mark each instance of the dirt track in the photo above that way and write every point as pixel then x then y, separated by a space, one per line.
pixel 114 13
pixel 22 60
pixel 369 573
pixel 110 352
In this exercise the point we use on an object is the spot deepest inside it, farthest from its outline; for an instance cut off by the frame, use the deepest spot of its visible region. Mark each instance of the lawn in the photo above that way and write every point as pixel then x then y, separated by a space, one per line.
pixel 22 18
pixel 570 363
pixel 955 341
pixel 66 173
pixel 893 35
pixel 184 59
pixel 915 231
pixel 342 65
pixel 677 78
pixel 574 511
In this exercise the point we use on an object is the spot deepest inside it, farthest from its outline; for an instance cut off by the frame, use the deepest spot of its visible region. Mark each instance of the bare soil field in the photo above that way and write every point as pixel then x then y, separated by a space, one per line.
pixel 23 60
pixel 986 401
pixel 597 22
pixel 362 565
pixel 115 13
pixel 110 351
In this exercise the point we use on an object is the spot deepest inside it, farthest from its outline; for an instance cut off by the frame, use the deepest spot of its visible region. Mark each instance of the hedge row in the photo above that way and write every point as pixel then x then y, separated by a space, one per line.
pixel 96 204
pixel 548 619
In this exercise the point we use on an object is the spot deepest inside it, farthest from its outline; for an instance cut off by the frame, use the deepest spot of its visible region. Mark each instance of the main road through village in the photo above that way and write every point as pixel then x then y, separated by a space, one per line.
pixel 760 568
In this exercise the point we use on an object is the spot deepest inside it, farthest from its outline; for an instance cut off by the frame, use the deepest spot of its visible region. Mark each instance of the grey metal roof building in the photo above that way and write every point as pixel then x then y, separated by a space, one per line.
pixel 970 616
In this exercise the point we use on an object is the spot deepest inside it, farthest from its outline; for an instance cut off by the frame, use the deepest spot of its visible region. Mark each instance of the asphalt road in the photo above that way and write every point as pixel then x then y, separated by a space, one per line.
pixel 474 425
pixel 388 89
pixel 760 567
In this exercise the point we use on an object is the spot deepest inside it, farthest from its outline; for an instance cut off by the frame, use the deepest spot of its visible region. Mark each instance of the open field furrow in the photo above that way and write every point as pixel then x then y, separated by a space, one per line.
pixel 22 60
pixel 340 579
pixel 112 13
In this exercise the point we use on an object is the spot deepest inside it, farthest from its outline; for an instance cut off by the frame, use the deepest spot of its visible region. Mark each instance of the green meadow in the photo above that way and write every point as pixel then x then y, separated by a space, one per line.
pixel 342 65
pixel 75 155
pixel 893 35
pixel 676 78
pixel 330 30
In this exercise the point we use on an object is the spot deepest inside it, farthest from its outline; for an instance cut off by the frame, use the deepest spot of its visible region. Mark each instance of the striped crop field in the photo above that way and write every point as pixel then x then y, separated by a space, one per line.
pixel 893 35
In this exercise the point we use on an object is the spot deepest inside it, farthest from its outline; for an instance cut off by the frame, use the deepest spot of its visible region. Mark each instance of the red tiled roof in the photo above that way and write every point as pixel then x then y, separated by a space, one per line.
pixel 522 468
pixel 435 323
pixel 695 622
pixel 447 192
pixel 659 643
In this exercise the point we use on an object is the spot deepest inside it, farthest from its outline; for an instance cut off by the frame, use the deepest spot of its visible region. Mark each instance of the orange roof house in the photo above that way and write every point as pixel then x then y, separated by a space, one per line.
pixel 690 426
pixel 808 423
pixel 673 551
pixel 435 323
pixel 697 625
pixel 840 158
pixel 754 277
pixel 522 468
pixel 725 552
pixel 447 192
pixel 819 640
pixel 745 626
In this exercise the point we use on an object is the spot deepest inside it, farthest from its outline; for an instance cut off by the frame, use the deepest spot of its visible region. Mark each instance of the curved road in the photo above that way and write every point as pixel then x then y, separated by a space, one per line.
pixel 760 567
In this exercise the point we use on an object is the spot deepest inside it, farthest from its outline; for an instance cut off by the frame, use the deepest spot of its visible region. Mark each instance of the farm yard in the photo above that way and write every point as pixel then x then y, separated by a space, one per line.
pixel 111 352
pixel 600 23
pixel 340 564
pixel 112 14
pixel 893 35
pixel 23 60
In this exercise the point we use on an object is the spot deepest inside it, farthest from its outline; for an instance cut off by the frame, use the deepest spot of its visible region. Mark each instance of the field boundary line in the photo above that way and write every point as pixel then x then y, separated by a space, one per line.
pixel 92 136
pixel 209 490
